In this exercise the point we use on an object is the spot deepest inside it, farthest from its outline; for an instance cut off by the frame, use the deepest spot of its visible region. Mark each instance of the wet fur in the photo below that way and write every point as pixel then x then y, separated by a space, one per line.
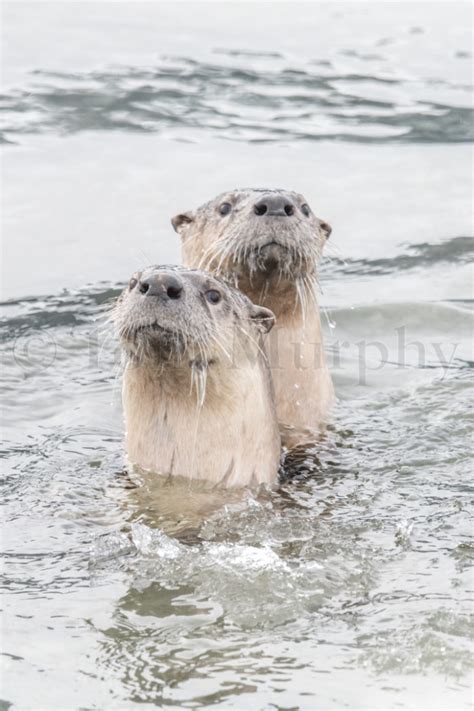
pixel 198 399
pixel 281 277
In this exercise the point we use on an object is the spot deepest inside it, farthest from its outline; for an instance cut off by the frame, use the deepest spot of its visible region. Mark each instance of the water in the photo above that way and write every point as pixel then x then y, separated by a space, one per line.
pixel 351 584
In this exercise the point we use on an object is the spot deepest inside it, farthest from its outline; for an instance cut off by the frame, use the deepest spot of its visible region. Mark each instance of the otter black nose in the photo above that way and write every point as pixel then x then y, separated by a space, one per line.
pixel 274 206
pixel 168 286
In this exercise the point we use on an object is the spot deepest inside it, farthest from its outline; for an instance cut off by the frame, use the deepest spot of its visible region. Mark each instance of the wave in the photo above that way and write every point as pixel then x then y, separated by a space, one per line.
pixel 90 303
pixel 455 250
pixel 253 101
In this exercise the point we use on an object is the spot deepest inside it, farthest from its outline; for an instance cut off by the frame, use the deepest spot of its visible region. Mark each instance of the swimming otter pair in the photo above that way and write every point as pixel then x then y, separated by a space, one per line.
pixel 267 243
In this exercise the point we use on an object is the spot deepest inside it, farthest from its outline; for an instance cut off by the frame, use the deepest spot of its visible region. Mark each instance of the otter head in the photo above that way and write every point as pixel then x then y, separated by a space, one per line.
pixel 185 319
pixel 253 233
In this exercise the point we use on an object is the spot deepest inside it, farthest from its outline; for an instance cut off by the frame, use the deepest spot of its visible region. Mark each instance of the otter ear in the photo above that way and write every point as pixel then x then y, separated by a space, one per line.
pixel 180 221
pixel 263 318
pixel 326 228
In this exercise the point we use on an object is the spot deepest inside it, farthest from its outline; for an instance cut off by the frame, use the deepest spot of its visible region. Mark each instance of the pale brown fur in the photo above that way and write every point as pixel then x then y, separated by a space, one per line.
pixel 197 395
pixel 273 259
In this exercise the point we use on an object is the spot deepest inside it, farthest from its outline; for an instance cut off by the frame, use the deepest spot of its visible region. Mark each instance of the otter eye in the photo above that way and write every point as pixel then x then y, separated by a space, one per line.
pixel 132 283
pixel 213 296
pixel 225 208
pixel 305 209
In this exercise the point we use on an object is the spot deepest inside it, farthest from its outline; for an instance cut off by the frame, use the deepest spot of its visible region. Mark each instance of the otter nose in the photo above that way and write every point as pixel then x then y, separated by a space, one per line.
pixel 166 285
pixel 274 206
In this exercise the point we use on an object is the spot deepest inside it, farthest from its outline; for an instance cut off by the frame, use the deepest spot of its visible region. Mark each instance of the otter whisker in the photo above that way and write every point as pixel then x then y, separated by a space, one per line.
pixel 222 256
pixel 313 288
pixel 213 251
pixel 254 341
pixel 300 297
pixel 310 287
pixel 221 346
pixel 199 381
pixel 329 321
pixel 264 291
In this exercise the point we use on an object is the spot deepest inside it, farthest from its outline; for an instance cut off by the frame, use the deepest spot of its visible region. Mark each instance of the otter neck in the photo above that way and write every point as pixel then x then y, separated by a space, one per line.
pixel 304 391
pixel 275 292
pixel 169 432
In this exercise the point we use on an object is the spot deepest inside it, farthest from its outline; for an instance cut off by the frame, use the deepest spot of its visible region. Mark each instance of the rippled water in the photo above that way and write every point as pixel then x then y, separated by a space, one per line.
pixel 350 585
pixel 238 102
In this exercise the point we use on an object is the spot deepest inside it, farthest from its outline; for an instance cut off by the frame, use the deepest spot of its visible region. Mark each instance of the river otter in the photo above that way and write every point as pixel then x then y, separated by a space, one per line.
pixel 268 243
pixel 197 394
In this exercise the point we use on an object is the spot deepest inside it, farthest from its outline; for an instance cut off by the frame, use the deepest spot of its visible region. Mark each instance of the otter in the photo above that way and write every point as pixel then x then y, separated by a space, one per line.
pixel 268 243
pixel 197 394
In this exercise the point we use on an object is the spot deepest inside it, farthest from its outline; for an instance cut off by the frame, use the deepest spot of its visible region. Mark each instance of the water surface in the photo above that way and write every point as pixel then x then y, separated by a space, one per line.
pixel 349 585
